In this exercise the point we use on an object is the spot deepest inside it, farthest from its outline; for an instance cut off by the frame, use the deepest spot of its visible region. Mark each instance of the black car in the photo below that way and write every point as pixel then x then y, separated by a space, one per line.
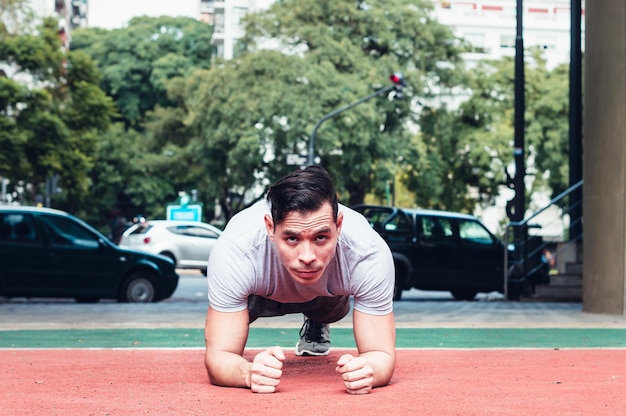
pixel 437 250
pixel 50 253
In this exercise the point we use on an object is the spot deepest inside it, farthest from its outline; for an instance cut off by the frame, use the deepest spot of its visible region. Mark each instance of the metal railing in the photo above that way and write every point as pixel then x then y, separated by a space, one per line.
pixel 526 265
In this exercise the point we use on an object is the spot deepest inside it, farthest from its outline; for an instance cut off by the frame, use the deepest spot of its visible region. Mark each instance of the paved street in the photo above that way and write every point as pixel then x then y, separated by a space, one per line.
pixel 187 308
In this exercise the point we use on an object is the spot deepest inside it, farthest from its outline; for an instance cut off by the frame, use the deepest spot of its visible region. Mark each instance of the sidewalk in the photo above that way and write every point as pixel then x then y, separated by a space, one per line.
pixel 433 323
pixel 409 313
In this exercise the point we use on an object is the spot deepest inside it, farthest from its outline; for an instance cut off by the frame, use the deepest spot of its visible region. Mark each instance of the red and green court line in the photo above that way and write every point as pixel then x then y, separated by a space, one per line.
pixel 444 338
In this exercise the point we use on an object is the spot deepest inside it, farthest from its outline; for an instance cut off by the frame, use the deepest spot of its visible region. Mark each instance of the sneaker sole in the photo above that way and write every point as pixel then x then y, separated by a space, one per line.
pixel 305 353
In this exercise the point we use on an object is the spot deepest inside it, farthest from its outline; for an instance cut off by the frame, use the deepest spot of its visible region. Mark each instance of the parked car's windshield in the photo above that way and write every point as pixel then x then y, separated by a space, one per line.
pixel 141 229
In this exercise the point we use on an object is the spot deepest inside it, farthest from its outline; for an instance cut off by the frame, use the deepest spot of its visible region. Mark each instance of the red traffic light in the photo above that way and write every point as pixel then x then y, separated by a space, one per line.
pixel 397 78
pixel 398 84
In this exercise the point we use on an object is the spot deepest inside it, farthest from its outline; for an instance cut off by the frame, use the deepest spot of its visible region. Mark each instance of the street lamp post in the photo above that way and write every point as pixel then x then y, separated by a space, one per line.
pixel 398 83
pixel 516 206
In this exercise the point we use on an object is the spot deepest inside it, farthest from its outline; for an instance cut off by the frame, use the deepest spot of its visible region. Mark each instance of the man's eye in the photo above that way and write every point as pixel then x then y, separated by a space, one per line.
pixel 321 238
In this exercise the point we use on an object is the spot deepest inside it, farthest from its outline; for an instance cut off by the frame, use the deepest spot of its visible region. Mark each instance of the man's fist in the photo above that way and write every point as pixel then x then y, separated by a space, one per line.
pixel 356 373
pixel 266 370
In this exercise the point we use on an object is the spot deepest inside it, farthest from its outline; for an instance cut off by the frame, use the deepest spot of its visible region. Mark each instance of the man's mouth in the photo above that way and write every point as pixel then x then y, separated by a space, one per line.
pixel 307 274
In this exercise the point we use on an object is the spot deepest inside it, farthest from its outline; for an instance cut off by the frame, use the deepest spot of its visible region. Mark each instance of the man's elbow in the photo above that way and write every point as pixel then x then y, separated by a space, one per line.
pixel 209 363
pixel 226 370
pixel 385 369
pixel 214 376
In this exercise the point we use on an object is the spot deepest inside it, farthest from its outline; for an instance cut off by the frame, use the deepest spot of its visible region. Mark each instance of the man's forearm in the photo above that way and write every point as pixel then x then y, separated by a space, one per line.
pixel 228 369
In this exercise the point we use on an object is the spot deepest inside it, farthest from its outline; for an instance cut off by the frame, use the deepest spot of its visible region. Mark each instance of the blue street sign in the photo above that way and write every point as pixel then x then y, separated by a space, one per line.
pixel 192 212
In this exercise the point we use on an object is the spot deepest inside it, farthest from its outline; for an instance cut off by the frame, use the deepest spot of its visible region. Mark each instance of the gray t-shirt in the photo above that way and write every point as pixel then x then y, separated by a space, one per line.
pixel 245 262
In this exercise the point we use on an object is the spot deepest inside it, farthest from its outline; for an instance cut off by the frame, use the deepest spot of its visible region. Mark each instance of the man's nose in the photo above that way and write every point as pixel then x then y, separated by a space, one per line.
pixel 307 255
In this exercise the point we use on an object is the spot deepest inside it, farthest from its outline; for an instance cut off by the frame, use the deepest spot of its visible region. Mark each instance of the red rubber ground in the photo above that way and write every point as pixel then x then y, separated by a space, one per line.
pixel 426 382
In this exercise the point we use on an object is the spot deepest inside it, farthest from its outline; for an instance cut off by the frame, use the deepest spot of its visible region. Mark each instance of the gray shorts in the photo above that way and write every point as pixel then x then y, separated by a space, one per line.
pixel 322 309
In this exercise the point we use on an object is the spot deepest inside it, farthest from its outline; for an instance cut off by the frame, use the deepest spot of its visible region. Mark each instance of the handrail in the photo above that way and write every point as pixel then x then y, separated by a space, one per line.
pixel 520 265
pixel 549 204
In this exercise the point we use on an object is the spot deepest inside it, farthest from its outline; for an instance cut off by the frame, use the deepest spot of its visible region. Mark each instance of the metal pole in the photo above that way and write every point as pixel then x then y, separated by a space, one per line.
pixel 516 207
pixel 311 157
pixel 519 205
pixel 575 121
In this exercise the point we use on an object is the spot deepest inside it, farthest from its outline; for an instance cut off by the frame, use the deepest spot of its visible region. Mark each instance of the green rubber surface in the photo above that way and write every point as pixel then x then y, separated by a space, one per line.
pixel 340 337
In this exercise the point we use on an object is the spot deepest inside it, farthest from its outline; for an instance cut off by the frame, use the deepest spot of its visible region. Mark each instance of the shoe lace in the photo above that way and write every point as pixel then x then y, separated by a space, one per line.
pixel 311 330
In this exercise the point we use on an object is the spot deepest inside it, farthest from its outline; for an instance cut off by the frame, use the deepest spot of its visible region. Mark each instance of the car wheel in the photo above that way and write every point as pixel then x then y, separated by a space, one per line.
pixel 400 276
pixel 138 288
pixel 464 294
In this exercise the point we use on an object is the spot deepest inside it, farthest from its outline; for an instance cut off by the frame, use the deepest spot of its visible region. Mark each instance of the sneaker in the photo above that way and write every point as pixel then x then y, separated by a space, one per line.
pixel 314 339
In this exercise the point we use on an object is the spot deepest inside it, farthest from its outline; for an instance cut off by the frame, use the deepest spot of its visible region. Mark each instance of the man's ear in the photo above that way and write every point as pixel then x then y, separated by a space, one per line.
pixel 339 221
pixel 269 225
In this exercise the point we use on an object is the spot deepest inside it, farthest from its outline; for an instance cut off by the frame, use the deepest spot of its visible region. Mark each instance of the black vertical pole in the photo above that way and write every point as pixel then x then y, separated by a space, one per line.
pixel 575 122
pixel 517 206
pixel 520 108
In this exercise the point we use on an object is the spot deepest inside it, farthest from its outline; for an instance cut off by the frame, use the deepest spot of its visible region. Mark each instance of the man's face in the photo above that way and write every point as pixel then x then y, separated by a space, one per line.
pixel 306 242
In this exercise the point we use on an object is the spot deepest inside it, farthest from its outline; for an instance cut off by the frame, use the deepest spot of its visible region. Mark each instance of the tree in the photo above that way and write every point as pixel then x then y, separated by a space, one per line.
pixel 548 126
pixel 137 61
pixel 143 163
pixel 461 154
pixel 51 110
pixel 16 17
pixel 250 113
pixel 243 113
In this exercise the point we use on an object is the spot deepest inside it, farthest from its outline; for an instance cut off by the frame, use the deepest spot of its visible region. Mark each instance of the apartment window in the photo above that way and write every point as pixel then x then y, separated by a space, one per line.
pixel 208 18
pixel 477 40
pixel 218 22
pixel 507 41
pixel 238 13
pixel 218 50
pixel 546 42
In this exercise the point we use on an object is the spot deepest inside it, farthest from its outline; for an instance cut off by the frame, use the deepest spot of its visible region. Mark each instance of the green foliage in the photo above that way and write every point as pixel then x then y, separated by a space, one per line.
pixel 459 159
pixel 145 161
pixel 548 128
pixel 50 111
pixel 137 61
pixel 126 177
pixel 227 128
pixel 250 113
pixel 16 18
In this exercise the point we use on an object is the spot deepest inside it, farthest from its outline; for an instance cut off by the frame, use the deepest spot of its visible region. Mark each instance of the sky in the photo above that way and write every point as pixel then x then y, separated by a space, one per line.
pixel 113 14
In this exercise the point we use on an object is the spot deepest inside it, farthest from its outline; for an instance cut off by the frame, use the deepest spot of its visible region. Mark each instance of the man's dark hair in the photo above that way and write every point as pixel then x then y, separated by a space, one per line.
pixel 302 191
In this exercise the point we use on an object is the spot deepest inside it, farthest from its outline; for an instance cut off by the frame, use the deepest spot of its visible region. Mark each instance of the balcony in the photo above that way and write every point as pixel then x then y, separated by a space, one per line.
pixel 209 6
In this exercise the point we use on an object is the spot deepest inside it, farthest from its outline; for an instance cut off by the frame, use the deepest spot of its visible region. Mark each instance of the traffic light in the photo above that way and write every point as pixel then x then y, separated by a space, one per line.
pixel 398 84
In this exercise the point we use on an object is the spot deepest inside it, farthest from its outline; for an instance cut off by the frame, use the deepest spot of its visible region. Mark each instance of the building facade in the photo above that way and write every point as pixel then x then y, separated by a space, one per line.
pixel 71 13
pixel 225 16
pixel 490 26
